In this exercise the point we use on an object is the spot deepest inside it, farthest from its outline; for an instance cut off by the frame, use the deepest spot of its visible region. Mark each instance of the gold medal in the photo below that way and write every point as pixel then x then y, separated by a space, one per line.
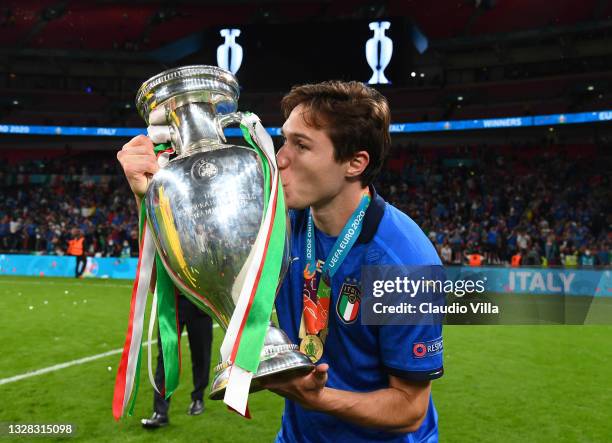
pixel 312 346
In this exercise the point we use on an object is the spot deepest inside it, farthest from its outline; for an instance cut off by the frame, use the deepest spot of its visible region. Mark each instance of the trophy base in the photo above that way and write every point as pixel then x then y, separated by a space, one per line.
pixel 279 358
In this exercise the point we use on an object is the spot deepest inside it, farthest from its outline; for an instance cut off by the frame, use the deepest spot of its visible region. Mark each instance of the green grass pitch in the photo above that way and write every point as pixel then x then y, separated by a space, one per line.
pixel 502 383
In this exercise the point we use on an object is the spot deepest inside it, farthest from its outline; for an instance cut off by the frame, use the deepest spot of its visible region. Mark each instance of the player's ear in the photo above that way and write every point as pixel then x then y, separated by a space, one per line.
pixel 357 164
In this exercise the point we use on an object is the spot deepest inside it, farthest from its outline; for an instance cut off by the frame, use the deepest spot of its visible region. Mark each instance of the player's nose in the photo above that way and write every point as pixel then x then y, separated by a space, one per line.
pixel 282 158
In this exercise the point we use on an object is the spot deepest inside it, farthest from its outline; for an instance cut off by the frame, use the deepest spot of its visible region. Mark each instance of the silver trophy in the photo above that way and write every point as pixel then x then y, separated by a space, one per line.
pixel 206 205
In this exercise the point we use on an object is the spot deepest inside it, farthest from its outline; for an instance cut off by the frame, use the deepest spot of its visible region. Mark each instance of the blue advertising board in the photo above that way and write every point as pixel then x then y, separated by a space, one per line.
pixel 535 281
pixel 397 128
pixel 64 266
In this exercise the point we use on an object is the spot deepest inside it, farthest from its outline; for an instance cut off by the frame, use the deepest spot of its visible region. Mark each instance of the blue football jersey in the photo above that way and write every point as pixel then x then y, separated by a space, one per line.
pixel 361 357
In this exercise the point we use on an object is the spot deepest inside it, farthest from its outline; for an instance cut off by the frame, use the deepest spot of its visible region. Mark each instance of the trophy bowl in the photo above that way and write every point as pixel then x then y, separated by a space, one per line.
pixel 205 207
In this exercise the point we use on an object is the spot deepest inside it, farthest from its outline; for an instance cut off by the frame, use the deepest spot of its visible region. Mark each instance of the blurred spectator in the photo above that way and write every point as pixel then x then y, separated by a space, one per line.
pixel 446 253
pixel 76 248
pixel 533 257
pixel 516 260
pixel 125 250
pixel 551 250
pixel 587 259
pixel 475 259
pixel 570 258
pixel 603 255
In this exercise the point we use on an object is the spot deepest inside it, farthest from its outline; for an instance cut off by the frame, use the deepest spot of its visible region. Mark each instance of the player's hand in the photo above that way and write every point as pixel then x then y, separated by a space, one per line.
pixel 139 163
pixel 137 157
pixel 306 390
pixel 158 129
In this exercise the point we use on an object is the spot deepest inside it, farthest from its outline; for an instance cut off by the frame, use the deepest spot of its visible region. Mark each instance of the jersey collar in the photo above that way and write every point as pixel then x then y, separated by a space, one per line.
pixel 372 217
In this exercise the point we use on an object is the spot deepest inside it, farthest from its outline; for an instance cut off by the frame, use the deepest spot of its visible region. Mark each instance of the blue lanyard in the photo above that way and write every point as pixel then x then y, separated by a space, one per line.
pixel 343 245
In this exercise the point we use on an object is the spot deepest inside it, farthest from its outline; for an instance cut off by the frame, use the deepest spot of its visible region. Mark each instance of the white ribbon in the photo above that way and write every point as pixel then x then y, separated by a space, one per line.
pixel 237 390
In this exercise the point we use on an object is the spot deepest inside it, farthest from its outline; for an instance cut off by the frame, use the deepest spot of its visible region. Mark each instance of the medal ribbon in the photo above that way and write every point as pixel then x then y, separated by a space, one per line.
pixel 317 299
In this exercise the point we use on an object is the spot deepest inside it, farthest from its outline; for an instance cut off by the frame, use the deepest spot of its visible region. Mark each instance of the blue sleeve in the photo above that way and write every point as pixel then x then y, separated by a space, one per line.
pixel 412 352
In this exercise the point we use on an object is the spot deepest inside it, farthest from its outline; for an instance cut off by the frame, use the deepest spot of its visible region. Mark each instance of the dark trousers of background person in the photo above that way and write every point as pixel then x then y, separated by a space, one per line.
pixel 199 332
pixel 81 264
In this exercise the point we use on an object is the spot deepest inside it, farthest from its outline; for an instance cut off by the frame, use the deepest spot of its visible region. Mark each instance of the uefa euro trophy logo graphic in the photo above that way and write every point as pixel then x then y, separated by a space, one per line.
pixel 229 54
pixel 379 49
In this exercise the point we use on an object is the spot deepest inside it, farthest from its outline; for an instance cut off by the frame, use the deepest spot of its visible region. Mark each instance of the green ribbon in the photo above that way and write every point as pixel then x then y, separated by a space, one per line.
pixel 256 327
pixel 166 316
pixel 168 330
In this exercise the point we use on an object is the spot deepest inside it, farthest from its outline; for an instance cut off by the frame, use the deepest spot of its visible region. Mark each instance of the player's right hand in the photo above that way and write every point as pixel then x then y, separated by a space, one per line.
pixel 139 163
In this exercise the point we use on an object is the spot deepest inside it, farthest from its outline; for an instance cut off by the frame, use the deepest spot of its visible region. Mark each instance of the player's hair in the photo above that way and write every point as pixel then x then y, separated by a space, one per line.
pixel 355 117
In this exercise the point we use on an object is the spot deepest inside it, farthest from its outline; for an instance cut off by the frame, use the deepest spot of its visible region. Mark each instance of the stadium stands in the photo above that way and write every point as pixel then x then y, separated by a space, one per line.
pixel 564 93
pixel 550 204
pixel 43 200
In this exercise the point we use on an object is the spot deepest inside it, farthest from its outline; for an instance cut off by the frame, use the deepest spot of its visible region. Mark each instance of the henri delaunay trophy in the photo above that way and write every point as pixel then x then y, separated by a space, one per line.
pixel 207 212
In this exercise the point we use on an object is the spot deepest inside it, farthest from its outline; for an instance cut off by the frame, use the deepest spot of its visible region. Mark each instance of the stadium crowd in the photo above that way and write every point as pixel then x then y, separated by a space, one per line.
pixel 484 207
pixel 43 201
pixel 546 209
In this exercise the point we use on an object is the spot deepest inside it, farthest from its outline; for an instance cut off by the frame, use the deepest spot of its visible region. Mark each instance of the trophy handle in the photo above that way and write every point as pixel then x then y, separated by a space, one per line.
pixel 224 120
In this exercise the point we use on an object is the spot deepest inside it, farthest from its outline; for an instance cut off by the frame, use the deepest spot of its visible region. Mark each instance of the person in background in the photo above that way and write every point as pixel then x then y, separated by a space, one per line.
pixel 603 254
pixel 533 257
pixel 516 259
pixel 570 258
pixel 587 259
pixel 475 259
pixel 446 253
pixel 76 248
pixel 199 330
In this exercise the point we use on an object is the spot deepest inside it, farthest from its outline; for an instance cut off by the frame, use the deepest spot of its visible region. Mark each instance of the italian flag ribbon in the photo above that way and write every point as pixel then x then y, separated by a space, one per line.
pixel 128 380
pixel 255 291
pixel 244 338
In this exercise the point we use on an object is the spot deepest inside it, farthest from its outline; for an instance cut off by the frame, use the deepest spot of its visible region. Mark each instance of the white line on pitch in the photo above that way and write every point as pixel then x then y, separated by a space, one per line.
pixel 67 364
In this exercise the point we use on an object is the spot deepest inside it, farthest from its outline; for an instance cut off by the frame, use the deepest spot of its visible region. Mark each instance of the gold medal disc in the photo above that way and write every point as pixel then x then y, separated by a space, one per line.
pixel 312 346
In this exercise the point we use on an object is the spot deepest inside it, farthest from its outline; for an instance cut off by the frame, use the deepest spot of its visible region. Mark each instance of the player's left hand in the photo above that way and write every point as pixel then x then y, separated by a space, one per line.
pixel 306 390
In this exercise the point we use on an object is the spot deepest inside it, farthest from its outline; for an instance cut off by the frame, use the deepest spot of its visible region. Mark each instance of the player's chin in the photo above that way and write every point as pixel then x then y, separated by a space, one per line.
pixel 295 205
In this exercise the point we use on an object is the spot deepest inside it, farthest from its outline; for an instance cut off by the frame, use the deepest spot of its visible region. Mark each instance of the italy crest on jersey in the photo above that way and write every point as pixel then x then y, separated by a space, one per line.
pixel 349 299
